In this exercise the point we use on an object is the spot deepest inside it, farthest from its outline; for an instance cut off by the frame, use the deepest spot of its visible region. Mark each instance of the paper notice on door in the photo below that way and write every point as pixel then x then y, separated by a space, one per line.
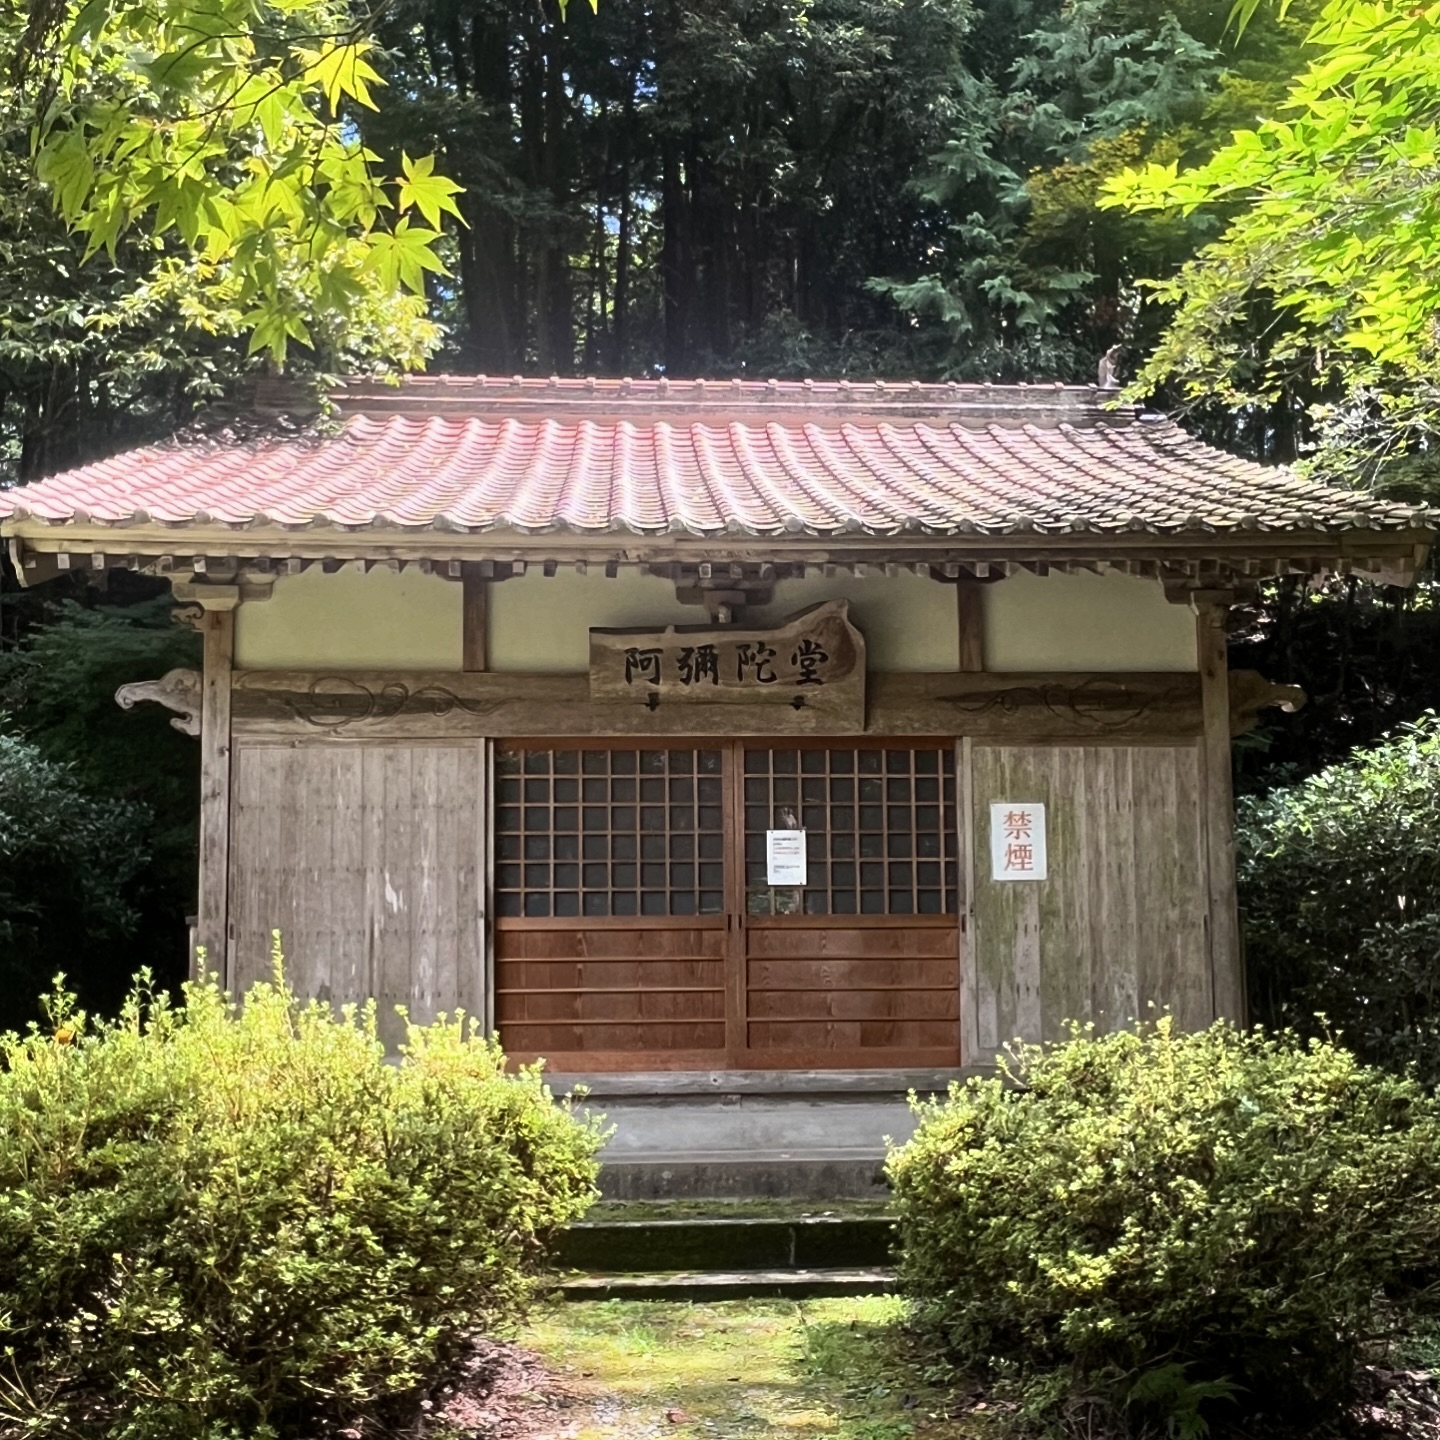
pixel 785 857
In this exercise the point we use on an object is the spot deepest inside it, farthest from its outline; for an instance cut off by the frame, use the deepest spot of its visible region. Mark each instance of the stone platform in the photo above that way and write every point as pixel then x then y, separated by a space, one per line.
pixel 742 1134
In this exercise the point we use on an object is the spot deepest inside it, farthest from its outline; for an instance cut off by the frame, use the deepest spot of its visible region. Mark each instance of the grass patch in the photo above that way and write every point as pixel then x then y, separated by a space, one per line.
pixel 835 1369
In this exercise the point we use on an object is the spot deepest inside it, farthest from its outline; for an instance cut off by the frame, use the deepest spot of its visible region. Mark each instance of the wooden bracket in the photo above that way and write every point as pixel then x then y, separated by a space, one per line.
pixel 207 596
pixel 178 690
pixel 1251 692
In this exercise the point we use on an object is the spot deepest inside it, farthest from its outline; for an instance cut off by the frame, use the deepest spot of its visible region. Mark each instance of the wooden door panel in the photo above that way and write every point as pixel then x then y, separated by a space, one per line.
pixel 553 999
pixel 582 1047
pixel 817 974
pixel 825 986
pixel 797 939
pixel 846 1044
pixel 592 945
pixel 610 953
pixel 638 1006
pixel 613 974
pixel 868 1003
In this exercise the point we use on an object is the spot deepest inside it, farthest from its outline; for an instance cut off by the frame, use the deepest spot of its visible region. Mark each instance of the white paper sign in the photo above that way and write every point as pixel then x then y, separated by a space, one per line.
pixel 1017 841
pixel 785 857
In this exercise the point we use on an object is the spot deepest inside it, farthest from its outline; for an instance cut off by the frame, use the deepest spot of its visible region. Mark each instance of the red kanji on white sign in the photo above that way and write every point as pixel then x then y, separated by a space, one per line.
pixel 1017 841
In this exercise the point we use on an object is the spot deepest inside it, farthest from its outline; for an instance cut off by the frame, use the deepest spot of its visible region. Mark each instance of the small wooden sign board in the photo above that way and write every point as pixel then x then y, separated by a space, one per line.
pixel 814 663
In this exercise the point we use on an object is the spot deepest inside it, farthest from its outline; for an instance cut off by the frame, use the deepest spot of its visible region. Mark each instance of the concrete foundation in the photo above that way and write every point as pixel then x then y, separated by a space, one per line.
pixel 732 1137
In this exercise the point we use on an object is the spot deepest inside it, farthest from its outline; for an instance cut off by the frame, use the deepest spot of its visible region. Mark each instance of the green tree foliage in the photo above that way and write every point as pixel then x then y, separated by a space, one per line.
pixel 70 861
pixel 225 1222
pixel 221 133
pixel 755 184
pixel 1365 655
pixel 129 770
pixel 1340 888
pixel 1028 276
pixel 183 193
pixel 690 187
pixel 1152 1233
pixel 1324 281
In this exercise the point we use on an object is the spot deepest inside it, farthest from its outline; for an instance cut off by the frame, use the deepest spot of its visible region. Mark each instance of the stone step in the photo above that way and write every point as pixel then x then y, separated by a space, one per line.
pixel 729 1242
pixel 779 1174
pixel 734 1143
pixel 703 1286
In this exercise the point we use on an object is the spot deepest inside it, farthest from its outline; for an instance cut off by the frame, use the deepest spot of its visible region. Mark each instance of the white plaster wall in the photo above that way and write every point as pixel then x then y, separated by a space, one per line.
pixel 909 621
pixel 1085 622
pixel 409 621
pixel 540 622
pixel 352 621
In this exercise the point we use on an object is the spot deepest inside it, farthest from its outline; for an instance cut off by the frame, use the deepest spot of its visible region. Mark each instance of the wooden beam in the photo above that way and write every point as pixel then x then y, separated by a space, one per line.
pixel 475 619
pixel 423 706
pixel 1217 802
pixel 1398 552
pixel 970 612
pixel 212 931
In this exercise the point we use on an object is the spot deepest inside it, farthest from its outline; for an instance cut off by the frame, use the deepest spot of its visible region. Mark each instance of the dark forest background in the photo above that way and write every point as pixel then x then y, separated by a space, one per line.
pixel 864 188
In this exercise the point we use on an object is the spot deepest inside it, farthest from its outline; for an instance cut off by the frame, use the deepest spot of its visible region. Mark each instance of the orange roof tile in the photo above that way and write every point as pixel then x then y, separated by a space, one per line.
pixel 470 454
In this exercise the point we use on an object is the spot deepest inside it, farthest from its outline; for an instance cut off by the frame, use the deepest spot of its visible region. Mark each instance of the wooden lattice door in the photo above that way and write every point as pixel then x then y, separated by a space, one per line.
pixel 634 930
pixel 861 966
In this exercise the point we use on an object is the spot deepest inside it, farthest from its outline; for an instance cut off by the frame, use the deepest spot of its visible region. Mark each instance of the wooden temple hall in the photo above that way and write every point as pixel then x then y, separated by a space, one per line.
pixel 738 736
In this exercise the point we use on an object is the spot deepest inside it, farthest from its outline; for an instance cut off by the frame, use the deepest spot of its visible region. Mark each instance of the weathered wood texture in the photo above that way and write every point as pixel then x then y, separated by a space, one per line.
pixel 970 612
pixel 474 619
pixel 1121 922
pixel 218 641
pixel 612 995
pixel 817 991
pixel 371 863
pixel 371 705
pixel 831 991
pixel 1218 809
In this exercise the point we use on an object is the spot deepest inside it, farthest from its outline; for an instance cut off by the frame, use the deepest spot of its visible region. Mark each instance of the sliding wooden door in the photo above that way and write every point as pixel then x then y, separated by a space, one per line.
pixel 635 929
pixel 611 935
pixel 859 968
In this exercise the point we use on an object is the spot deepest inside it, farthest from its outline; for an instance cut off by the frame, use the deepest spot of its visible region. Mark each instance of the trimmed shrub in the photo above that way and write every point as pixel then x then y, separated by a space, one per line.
pixel 1340 888
pixel 224 1222
pixel 1177 1226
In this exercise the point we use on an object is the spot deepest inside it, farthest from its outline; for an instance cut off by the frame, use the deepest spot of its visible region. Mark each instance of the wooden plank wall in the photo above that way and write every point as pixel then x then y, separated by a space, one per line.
pixel 1120 923
pixel 370 861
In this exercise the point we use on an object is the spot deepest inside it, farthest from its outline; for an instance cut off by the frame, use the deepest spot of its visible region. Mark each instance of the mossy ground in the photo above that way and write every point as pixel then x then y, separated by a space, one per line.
pixel 838 1369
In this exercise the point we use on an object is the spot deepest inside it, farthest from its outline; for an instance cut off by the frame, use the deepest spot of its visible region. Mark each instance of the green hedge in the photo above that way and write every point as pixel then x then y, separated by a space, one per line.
pixel 1179 1227
pixel 1340 891
pixel 245 1222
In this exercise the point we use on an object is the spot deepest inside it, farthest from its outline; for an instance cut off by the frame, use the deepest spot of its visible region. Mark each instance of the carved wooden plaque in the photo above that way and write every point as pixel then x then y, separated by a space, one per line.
pixel 813 663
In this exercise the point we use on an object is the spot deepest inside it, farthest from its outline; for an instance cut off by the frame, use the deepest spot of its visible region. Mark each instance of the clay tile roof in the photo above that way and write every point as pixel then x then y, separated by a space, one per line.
pixel 475 454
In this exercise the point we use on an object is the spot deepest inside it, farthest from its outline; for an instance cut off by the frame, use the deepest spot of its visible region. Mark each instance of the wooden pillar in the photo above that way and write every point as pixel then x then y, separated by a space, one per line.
pixel 970 605
pixel 1218 806
pixel 475 659
pixel 475 619
pixel 970 612
pixel 218 632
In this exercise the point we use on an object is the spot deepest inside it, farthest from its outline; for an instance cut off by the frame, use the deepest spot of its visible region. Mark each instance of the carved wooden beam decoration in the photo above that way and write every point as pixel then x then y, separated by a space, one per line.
pixel 448 705
pixel 178 690
pixel 1251 692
